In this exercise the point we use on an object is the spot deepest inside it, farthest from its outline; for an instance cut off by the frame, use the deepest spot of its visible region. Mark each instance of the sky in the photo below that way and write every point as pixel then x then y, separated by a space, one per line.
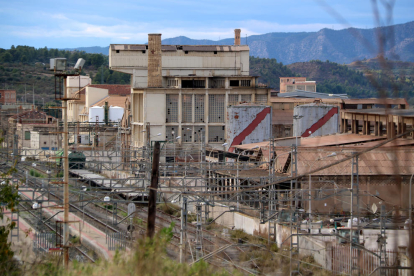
pixel 84 23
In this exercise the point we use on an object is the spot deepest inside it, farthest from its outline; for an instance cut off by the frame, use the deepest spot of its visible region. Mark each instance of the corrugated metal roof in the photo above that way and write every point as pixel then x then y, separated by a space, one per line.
pixel 376 162
pixel 383 111
pixel 337 139
pixel 376 101
pixel 308 94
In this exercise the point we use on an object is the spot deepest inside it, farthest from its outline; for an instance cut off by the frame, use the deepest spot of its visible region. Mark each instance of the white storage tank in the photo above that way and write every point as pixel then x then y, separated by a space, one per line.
pixel 115 113
pixel 315 119
pixel 96 111
pixel 247 123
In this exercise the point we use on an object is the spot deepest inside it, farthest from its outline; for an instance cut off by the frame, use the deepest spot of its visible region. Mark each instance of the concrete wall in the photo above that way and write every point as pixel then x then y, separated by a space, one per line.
pixel 93 95
pixel 320 250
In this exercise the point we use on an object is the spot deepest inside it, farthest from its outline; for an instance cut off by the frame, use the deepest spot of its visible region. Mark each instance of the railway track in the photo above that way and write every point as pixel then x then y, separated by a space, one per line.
pixel 211 241
pixel 48 226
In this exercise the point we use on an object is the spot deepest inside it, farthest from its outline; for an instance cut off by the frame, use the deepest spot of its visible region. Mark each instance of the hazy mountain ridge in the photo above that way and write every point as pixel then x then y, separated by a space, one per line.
pixel 341 46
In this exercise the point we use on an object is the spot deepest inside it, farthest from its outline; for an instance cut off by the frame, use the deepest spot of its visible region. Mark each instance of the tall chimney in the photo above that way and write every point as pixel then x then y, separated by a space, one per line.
pixel 237 37
pixel 154 60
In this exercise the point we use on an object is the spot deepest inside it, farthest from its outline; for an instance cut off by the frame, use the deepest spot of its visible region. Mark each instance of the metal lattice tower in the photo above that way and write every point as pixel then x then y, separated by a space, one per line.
pixel 354 258
pixel 199 233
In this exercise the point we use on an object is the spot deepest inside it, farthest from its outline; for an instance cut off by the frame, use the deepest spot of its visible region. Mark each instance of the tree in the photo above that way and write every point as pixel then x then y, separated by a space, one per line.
pixel 6 57
pixel 9 199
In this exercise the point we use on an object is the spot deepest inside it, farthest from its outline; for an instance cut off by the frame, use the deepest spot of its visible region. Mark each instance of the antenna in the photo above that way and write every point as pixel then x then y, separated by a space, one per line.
pixel 246 39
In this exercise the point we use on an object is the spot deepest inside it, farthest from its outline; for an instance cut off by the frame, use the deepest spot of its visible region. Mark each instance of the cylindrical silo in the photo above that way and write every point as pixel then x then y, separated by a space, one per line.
pixel 115 113
pixel 96 113
pixel 315 119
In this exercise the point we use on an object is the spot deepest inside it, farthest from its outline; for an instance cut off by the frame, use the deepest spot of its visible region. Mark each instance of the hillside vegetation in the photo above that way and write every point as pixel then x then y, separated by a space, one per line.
pixel 26 69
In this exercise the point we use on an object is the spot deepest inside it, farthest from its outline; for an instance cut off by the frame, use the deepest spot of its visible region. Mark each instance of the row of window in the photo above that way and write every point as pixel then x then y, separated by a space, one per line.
pixel 8 96
pixel 193 106
pixel 218 83
pixel 195 134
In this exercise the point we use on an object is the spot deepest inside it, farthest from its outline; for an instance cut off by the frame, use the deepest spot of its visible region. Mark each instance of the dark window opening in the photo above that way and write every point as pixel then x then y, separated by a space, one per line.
pixel 117 51
pixel 234 82
pixel 146 47
pixel 215 52
pixel 186 52
pixel 143 51
pixel 193 83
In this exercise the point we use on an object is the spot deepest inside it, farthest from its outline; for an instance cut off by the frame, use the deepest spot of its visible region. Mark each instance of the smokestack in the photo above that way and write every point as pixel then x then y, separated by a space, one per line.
pixel 154 61
pixel 237 37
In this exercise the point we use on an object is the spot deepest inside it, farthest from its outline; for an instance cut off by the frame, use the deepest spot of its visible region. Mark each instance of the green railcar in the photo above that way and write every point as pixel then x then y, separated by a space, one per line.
pixel 76 160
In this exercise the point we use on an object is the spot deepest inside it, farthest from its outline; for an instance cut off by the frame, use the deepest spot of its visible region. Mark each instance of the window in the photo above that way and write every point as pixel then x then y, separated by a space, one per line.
pixel 187 108
pixel 186 52
pixel 172 108
pixel 171 132
pixel 44 143
pixel 234 83
pixel 262 98
pixel 216 108
pixel 186 134
pixel 193 84
pixel 215 52
pixel 245 83
pixel 199 133
pixel 246 98
pixel 117 51
pixel 216 134
pixel 233 99
pixel 143 51
pixel 27 135
pixel 199 108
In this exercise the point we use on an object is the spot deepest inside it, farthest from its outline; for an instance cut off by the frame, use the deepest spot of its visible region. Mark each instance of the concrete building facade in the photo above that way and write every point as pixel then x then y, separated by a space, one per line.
pixel 184 90
pixel 290 84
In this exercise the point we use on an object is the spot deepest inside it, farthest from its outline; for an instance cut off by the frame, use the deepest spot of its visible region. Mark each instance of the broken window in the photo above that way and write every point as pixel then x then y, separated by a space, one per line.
pixel 187 134
pixel 199 108
pixel 193 84
pixel 187 108
pixel 199 133
pixel 216 108
pixel 172 108
pixel 171 132
pixel 216 134
pixel 234 82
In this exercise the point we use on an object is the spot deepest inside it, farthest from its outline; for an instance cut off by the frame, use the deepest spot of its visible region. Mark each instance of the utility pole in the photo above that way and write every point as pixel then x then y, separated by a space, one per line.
pixel 66 178
pixel 183 226
pixel 152 199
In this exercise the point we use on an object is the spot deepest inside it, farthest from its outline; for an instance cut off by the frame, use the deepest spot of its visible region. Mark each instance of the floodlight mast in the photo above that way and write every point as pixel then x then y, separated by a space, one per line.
pixel 58 65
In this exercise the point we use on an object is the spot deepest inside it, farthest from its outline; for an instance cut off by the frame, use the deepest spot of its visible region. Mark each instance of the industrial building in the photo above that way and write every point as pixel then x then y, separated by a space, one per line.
pixel 7 96
pixel 284 103
pixel 290 84
pixel 183 92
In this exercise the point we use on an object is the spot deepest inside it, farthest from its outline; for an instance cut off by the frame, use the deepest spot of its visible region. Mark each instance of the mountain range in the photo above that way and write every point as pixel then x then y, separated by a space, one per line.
pixel 341 46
